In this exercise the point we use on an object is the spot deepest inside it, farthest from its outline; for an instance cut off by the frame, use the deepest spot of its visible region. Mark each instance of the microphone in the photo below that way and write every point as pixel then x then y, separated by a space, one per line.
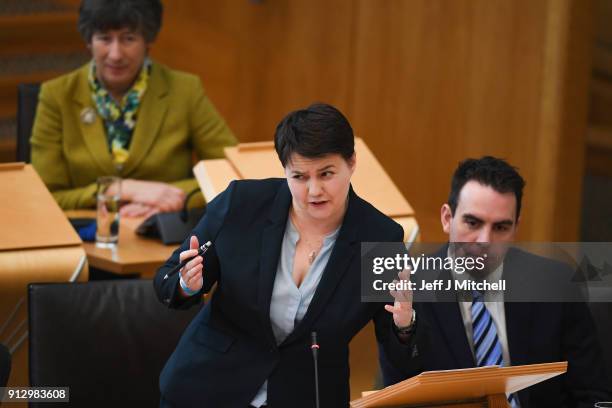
pixel 315 351
pixel 201 251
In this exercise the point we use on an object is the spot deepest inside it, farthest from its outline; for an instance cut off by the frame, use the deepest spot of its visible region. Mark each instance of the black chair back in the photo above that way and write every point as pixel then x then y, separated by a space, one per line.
pixel 27 101
pixel 602 315
pixel 106 340
pixel 5 365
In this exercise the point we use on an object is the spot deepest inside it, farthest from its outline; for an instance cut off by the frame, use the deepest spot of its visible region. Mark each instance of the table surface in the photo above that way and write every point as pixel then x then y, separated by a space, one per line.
pixel 29 216
pixel 132 255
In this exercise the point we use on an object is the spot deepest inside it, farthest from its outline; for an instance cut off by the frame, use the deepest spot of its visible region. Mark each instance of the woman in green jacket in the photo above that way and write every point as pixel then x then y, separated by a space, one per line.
pixel 122 114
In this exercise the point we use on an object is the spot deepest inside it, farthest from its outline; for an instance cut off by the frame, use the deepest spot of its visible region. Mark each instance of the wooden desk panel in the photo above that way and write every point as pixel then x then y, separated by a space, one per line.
pixel 214 176
pixel 374 185
pixel 37 244
pixel 133 254
pixel 30 217
pixel 256 160
pixel 443 387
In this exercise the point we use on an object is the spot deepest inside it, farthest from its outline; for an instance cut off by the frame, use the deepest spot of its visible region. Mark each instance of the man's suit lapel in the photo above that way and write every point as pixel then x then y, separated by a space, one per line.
pixel 93 133
pixel 518 318
pixel 153 108
pixel 272 239
pixel 518 314
pixel 447 315
pixel 518 322
pixel 345 248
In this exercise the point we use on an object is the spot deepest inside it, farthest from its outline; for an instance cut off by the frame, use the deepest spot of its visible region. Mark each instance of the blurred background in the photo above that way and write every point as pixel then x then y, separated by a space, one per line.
pixel 425 83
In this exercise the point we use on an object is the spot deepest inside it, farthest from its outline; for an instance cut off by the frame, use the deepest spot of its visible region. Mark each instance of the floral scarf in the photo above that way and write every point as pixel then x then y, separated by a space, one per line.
pixel 119 118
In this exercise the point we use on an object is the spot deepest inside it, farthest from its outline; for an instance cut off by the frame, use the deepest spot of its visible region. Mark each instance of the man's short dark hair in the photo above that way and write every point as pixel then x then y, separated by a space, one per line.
pixel 144 16
pixel 488 171
pixel 314 132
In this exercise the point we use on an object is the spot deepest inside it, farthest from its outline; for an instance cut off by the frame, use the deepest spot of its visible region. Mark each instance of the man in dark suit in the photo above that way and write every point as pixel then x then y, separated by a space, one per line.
pixel 483 214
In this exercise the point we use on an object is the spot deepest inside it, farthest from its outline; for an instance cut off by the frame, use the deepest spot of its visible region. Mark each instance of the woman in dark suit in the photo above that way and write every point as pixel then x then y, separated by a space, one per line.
pixel 286 261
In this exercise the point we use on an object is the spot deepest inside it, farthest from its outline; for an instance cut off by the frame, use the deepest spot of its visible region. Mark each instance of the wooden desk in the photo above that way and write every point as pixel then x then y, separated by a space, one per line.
pixel 37 244
pixel 133 255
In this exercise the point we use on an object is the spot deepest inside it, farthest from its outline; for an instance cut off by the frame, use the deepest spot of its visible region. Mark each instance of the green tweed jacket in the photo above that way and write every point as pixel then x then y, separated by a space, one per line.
pixel 176 121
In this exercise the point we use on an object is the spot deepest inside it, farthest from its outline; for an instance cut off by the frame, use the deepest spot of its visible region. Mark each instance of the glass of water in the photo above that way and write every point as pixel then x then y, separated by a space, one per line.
pixel 107 216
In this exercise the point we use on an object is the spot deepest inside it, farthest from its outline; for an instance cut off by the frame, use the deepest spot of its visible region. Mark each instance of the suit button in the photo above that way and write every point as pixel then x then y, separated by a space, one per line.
pixel 167 301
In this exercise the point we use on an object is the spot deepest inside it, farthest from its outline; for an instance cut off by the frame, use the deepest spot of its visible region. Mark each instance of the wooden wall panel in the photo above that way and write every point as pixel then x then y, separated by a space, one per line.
pixel 559 164
pixel 598 157
pixel 425 83
pixel 259 60
pixel 449 80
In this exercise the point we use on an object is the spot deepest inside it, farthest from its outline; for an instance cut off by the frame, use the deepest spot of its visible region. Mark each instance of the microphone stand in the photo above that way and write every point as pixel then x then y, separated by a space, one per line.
pixel 315 350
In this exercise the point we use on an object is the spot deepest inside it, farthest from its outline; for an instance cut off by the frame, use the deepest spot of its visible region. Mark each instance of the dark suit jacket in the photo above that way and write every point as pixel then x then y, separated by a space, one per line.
pixel 537 333
pixel 229 350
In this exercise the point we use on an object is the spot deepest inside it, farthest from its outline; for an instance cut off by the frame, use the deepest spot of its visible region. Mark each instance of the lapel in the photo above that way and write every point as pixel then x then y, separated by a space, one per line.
pixel 448 316
pixel 93 134
pixel 272 238
pixel 518 314
pixel 151 113
pixel 518 318
pixel 345 248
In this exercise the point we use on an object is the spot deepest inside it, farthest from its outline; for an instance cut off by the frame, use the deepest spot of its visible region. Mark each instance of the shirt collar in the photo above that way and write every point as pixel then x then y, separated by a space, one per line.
pixel 494 276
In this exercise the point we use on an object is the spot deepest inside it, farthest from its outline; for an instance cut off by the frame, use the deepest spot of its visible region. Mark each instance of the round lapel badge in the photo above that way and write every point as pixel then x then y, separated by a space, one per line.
pixel 88 116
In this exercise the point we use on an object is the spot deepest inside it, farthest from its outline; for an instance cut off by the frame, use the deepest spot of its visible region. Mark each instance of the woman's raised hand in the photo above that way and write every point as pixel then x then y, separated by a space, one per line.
pixel 402 307
pixel 191 273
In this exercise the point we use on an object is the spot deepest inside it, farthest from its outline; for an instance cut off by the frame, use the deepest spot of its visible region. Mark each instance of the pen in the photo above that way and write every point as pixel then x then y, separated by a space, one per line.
pixel 201 251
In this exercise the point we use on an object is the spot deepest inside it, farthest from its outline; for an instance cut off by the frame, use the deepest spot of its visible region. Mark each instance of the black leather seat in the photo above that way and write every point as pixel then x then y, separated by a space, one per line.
pixel 5 365
pixel 27 101
pixel 106 340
